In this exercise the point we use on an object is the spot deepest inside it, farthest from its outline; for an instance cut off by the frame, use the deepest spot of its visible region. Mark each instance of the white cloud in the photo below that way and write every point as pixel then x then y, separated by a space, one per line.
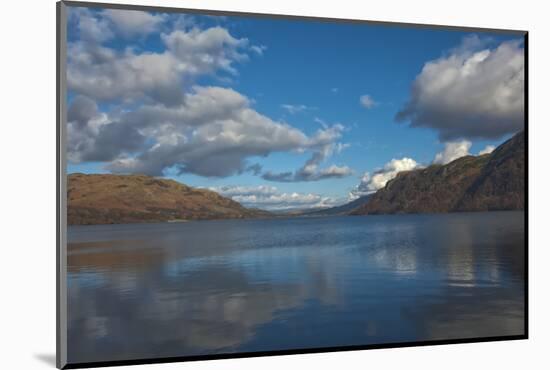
pixel 160 120
pixel 367 101
pixel 205 51
pixel 270 198
pixel 91 28
pixel 107 74
pixel 452 151
pixel 335 171
pixel 234 190
pixel 258 49
pixel 133 22
pixel 321 122
pixel 325 146
pixel 487 150
pixel 298 108
pixel 472 92
pixel 100 26
pixel 371 183
pixel 213 132
pixel 335 90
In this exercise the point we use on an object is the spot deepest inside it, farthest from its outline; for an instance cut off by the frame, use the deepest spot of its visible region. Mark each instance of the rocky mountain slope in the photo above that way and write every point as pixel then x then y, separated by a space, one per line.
pixel 109 199
pixel 484 183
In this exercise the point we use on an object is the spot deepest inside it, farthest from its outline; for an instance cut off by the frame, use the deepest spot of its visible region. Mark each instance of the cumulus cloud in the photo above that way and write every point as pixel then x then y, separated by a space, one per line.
pixel 85 125
pixel 371 183
pixel 91 28
pixel 213 132
pixel 100 26
pixel 270 198
pixel 157 119
pixel 473 92
pixel 205 51
pixel 107 74
pixel 453 150
pixel 82 110
pixel 326 145
pixel 487 150
pixel 458 149
pixel 367 101
pixel 133 22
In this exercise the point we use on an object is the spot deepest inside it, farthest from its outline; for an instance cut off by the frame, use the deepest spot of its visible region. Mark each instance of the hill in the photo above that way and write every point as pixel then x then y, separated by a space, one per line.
pixel 113 199
pixel 484 183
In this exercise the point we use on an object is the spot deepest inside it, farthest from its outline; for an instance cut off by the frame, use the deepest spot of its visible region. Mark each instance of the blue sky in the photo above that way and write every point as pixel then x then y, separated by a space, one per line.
pixel 308 76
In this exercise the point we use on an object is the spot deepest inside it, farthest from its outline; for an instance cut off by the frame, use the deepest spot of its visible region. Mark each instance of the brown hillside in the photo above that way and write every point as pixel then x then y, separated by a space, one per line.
pixel 108 199
pixel 488 182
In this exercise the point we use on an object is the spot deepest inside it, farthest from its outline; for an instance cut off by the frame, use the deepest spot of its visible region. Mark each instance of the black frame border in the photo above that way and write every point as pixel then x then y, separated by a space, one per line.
pixel 60 170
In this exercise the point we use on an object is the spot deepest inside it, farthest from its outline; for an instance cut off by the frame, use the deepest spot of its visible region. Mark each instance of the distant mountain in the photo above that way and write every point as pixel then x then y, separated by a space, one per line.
pixel 484 183
pixel 113 199
pixel 339 210
pixel 295 211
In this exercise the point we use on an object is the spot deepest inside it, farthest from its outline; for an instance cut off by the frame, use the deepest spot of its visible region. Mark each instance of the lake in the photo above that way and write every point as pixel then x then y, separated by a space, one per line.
pixel 209 287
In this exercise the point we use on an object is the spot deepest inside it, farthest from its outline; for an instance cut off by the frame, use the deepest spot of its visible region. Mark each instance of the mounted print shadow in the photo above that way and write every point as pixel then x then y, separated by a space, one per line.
pixel 237 184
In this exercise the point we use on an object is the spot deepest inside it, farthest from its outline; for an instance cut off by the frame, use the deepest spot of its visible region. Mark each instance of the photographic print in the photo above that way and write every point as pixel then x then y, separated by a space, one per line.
pixel 239 184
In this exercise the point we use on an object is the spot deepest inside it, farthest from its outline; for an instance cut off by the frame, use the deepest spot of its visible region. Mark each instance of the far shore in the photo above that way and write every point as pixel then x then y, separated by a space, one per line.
pixel 282 216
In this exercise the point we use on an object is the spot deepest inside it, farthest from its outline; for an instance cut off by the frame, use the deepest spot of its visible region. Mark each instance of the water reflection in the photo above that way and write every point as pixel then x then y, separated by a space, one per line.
pixel 397 255
pixel 224 286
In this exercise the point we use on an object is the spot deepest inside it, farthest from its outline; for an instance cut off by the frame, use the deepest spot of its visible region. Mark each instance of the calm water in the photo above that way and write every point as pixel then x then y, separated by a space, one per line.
pixel 157 290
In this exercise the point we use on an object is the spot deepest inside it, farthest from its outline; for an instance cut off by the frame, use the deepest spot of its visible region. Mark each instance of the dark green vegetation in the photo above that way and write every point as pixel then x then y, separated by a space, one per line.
pixel 487 182
pixel 114 199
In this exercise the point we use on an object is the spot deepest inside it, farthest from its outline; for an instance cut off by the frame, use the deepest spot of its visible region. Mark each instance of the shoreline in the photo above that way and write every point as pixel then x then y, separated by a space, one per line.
pixel 279 217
